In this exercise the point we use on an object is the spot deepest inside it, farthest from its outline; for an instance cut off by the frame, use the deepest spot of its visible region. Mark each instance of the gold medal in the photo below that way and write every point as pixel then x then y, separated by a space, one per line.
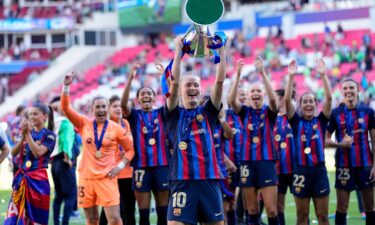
pixel 156 121
pixel 144 130
pixel 28 164
pixel 250 126
pixel 283 145
pixel 182 145
pixel 303 138
pixel 315 127
pixel 152 141
pixel 277 137
pixel 255 140
pixel 98 154
pixel 307 150
pixel 200 118
pixel 361 120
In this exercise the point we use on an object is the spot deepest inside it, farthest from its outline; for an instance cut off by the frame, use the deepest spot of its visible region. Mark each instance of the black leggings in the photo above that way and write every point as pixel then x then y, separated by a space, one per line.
pixel 127 203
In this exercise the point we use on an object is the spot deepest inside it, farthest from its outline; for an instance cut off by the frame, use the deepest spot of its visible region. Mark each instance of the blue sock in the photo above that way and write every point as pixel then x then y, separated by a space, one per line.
pixel 231 217
pixel 144 217
pixel 273 221
pixel 281 218
pixel 370 218
pixel 253 219
pixel 340 218
pixel 161 211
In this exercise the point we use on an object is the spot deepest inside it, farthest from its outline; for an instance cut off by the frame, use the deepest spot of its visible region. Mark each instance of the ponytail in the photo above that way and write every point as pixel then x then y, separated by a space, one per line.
pixel 51 122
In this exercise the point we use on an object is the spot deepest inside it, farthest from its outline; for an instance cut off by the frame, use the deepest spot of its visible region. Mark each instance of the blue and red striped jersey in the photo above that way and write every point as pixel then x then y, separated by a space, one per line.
pixel 309 139
pixel 27 160
pixel 191 132
pixel 149 138
pixel 257 142
pixel 356 123
pixel 284 144
pixel 218 140
pixel 232 147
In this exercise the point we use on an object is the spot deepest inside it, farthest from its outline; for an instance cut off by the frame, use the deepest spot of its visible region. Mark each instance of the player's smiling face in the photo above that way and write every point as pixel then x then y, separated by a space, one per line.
pixel 308 105
pixel 190 91
pixel 100 110
pixel 242 96
pixel 115 110
pixel 256 96
pixel 37 118
pixel 349 90
pixel 146 98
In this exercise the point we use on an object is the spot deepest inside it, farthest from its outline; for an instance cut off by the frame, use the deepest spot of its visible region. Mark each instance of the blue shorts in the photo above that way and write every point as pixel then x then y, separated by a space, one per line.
pixel 350 179
pixel 226 191
pixel 234 179
pixel 310 182
pixel 150 178
pixel 193 201
pixel 258 174
pixel 285 181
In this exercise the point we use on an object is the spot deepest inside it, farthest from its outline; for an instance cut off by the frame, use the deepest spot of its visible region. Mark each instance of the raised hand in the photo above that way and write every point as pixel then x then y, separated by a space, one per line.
pixel 134 69
pixel 321 66
pixel 178 42
pixel 259 65
pixel 160 68
pixel 239 66
pixel 69 77
pixel 25 126
pixel 292 68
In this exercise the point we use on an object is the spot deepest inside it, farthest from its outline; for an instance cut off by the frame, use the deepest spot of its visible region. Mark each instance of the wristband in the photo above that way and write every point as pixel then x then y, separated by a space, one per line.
pixel 121 165
pixel 66 90
pixel 222 119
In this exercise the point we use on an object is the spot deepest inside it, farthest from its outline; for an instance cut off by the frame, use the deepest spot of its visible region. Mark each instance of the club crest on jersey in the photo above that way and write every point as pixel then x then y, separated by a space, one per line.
pixel 177 212
pixel 200 118
pixel 138 184
pixel 89 140
pixel 298 190
pixel 343 182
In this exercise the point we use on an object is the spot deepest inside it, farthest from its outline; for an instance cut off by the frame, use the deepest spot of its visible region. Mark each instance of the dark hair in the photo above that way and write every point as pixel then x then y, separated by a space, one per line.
pixel 97 98
pixel 281 93
pixel 19 109
pixel 139 90
pixel 55 99
pixel 351 80
pixel 46 109
pixel 113 99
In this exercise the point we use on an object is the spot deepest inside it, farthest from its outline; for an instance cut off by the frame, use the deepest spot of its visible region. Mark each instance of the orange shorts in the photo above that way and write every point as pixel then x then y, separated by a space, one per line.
pixel 98 192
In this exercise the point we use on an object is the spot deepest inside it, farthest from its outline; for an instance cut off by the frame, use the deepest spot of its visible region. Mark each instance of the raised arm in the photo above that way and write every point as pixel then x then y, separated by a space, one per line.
pixel 327 105
pixel 126 109
pixel 217 89
pixel 232 97
pixel 228 133
pixel 74 117
pixel 259 64
pixel 172 101
pixel 292 69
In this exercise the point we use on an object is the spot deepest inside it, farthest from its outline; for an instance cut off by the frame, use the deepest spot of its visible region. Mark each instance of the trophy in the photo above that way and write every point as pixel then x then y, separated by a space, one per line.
pixel 198 41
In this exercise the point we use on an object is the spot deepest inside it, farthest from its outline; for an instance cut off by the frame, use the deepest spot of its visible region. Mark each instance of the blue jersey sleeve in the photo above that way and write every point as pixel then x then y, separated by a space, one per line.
pixel 49 141
pixel 332 124
pixel 2 143
pixel 371 120
pixel 212 112
pixel 271 114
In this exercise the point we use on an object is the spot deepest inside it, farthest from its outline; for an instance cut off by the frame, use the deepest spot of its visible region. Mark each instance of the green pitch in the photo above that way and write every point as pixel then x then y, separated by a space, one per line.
pixel 144 15
pixel 290 214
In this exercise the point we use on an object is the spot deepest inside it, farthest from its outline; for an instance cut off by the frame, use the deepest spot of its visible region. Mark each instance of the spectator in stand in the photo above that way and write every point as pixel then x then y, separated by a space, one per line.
pixel 368 59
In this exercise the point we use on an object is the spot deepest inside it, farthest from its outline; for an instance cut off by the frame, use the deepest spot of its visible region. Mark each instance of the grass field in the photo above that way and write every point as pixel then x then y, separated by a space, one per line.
pixel 354 215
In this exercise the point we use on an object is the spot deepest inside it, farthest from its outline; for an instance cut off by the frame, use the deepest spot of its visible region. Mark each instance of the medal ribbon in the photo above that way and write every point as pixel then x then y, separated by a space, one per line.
pixel 123 126
pixel 28 155
pixel 150 125
pixel 185 128
pixel 308 128
pixel 349 120
pixel 256 120
pixel 99 142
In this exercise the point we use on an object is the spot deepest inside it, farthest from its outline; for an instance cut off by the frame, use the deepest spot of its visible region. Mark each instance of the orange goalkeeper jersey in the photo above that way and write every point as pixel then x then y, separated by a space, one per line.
pixel 91 166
